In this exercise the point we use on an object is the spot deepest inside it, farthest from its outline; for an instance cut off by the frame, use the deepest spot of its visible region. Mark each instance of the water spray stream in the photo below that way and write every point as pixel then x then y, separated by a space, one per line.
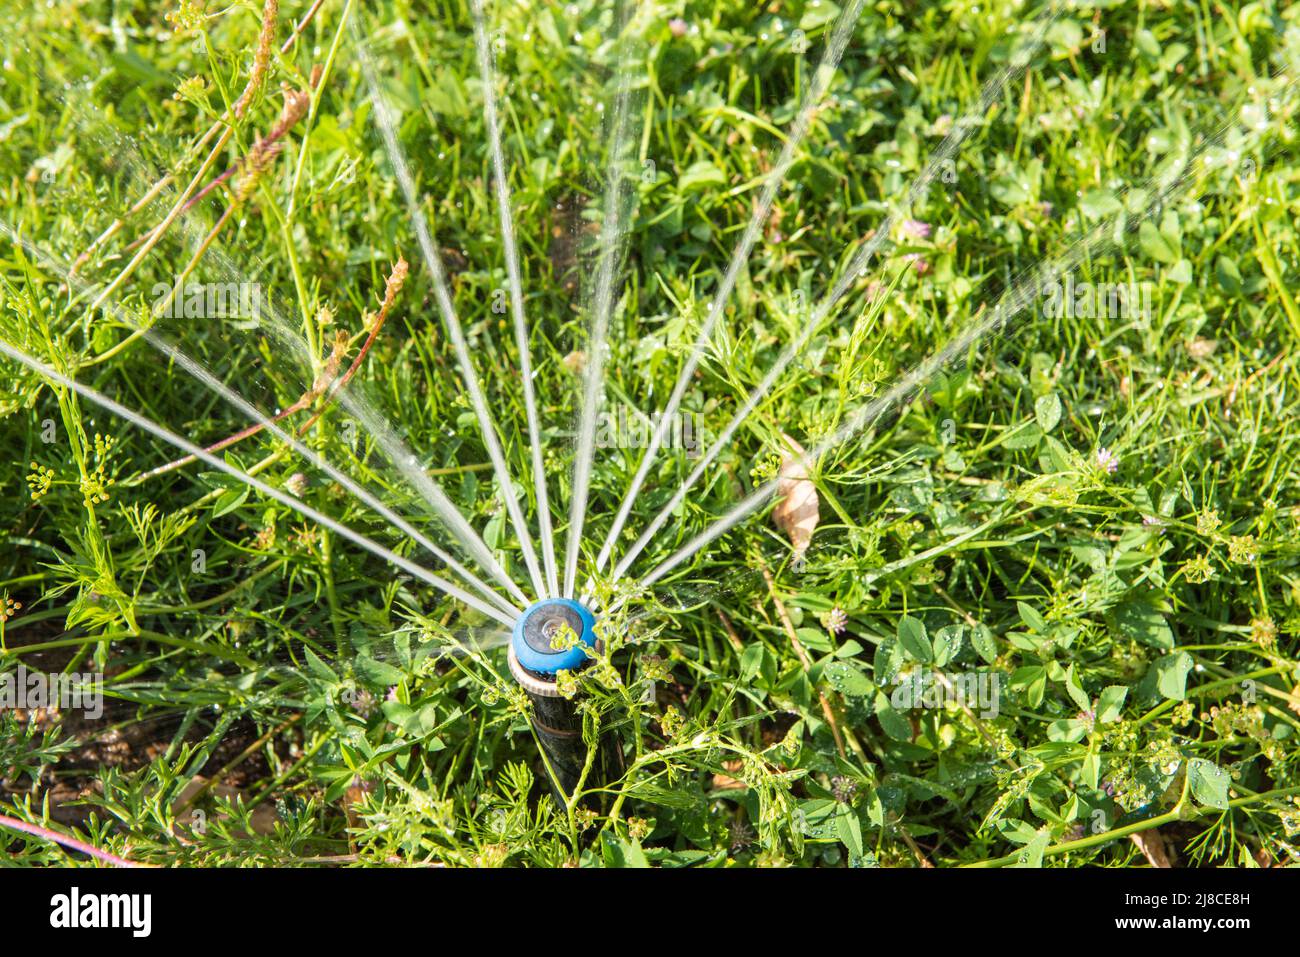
pixel 98 398
pixel 942 155
pixel 206 378
pixel 284 335
pixel 446 510
pixel 404 649
pixel 398 453
pixel 488 74
pixel 840 37
pixel 401 169
pixel 210 381
pixel 612 228
pixel 1166 184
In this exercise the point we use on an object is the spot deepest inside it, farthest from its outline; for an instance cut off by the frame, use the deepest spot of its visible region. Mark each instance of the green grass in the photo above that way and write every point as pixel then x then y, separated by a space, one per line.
pixel 251 656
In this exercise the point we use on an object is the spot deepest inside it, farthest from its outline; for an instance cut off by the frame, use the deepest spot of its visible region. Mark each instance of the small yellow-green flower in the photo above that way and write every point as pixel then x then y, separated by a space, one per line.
pixel 187 17
pixel 95 484
pixel 39 480
pixel 192 89
pixel 1263 632
pixel 94 487
pixel 672 722
pixel 566 683
pixel 1241 549
pixel 766 469
pixel 1198 570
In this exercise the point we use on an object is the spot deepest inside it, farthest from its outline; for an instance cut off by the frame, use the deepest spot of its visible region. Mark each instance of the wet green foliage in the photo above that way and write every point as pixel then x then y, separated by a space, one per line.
pixel 1053 598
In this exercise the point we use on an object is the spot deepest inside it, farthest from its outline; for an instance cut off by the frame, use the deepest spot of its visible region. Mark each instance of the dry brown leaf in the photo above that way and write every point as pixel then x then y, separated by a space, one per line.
pixel 353 798
pixel 263 816
pixel 1152 845
pixel 575 361
pixel 725 782
pixel 798 511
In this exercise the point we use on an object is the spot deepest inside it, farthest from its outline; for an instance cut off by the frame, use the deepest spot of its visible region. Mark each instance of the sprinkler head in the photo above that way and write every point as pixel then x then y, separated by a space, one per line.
pixel 533 661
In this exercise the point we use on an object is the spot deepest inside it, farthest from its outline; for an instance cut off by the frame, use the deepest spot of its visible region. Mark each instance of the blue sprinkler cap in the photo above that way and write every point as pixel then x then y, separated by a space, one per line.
pixel 542 621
